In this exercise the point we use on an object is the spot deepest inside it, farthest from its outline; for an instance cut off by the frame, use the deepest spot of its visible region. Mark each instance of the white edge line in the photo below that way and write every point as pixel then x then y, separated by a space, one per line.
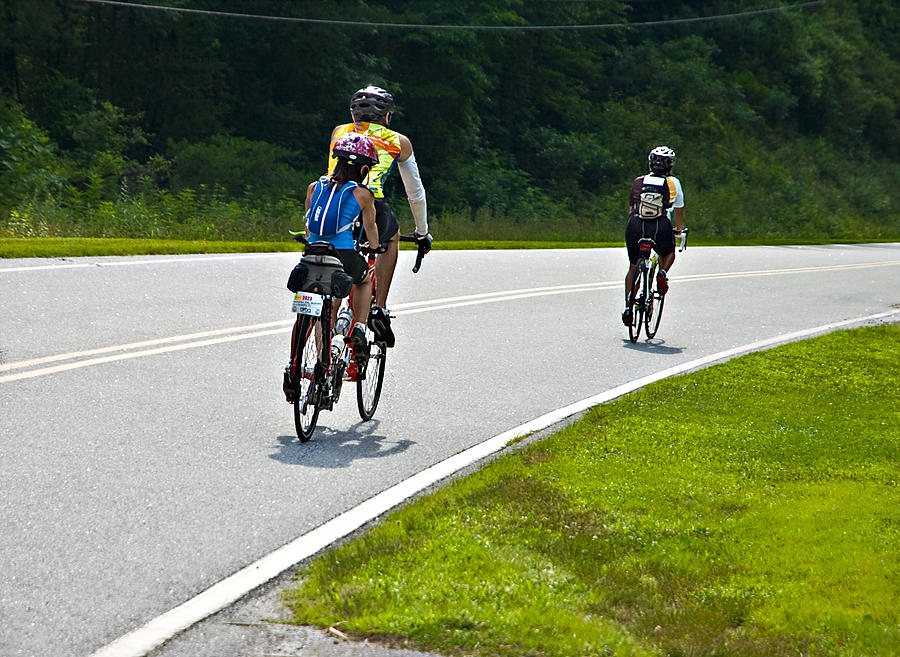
pixel 142 640
pixel 164 259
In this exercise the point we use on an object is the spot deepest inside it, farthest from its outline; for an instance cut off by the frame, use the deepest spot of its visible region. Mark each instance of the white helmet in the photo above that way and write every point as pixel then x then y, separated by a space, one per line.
pixel 661 160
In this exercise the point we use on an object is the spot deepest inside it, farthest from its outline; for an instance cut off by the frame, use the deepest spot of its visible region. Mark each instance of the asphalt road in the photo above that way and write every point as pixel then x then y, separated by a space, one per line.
pixel 146 451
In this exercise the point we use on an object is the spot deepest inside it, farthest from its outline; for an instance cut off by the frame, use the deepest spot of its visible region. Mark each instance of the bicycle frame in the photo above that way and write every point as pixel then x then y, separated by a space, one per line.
pixel 645 300
pixel 323 347
pixel 352 368
pixel 643 294
pixel 324 379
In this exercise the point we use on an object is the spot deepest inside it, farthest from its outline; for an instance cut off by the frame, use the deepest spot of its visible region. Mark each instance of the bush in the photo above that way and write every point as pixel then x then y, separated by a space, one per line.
pixel 28 161
pixel 236 165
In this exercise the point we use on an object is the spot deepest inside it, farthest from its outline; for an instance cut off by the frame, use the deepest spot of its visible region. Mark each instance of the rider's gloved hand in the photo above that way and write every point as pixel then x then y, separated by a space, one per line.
pixel 367 248
pixel 424 241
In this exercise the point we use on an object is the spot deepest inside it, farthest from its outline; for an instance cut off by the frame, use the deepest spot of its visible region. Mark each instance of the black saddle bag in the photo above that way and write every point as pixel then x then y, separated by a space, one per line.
pixel 320 271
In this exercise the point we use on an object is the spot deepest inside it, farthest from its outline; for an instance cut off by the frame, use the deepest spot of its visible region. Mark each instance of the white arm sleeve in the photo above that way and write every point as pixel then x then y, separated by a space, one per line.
pixel 678 201
pixel 415 192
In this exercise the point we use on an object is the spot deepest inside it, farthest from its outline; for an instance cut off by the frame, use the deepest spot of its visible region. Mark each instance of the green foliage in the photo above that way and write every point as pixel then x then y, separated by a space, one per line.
pixel 236 164
pixel 761 518
pixel 204 214
pixel 786 123
pixel 28 163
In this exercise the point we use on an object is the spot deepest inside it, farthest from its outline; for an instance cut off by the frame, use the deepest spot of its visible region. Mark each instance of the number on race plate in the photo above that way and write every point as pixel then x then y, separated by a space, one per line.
pixel 307 303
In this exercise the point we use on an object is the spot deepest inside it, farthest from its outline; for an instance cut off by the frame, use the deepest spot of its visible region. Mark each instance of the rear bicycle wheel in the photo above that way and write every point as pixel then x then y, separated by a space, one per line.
pixel 655 302
pixel 306 370
pixel 368 388
pixel 636 304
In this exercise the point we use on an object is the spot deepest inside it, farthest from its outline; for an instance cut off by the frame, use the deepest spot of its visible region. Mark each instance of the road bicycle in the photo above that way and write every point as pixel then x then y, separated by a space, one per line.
pixel 321 362
pixel 645 300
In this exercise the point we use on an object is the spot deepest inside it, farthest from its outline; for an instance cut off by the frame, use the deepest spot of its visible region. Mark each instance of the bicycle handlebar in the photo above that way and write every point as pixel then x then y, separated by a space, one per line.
pixel 421 251
pixel 368 250
pixel 683 234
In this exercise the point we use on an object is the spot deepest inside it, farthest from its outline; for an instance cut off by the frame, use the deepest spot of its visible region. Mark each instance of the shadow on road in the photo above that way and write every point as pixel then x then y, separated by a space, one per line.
pixel 338 449
pixel 654 346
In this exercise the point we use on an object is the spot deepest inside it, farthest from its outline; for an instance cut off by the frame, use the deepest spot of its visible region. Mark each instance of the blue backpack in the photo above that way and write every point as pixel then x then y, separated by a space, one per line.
pixel 332 210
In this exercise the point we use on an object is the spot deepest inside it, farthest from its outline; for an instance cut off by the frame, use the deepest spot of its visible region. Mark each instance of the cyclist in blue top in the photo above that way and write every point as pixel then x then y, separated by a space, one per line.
pixel 334 204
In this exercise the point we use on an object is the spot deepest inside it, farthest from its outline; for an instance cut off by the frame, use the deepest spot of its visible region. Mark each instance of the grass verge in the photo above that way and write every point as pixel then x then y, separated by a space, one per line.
pixel 750 509
pixel 65 247
pixel 71 247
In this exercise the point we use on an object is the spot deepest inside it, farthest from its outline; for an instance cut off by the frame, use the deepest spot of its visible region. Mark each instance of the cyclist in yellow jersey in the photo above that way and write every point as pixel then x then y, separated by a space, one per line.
pixel 371 109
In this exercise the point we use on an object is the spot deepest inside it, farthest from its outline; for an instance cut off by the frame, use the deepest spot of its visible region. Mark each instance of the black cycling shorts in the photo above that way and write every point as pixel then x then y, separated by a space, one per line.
pixel 660 230
pixel 387 223
pixel 354 264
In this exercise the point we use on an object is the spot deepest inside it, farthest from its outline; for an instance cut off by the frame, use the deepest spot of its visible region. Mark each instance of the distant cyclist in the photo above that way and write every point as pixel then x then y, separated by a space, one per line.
pixel 654 198
pixel 334 203
pixel 371 109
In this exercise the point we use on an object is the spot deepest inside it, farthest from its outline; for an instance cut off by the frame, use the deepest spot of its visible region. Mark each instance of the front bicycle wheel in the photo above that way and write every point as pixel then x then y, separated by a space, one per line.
pixel 306 372
pixel 636 304
pixel 368 387
pixel 655 301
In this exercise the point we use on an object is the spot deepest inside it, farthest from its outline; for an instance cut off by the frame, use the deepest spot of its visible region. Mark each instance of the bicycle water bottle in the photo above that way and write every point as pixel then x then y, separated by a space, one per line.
pixel 337 344
pixel 342 325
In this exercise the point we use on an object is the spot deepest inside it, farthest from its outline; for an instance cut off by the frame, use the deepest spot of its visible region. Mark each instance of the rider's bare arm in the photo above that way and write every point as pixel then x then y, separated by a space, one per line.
pixel 367 206
pixel 309 194
pixel 679 218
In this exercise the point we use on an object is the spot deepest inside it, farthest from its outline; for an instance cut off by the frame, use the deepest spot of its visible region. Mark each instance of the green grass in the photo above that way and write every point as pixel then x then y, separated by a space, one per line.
pixel 750 509
pixel 71 247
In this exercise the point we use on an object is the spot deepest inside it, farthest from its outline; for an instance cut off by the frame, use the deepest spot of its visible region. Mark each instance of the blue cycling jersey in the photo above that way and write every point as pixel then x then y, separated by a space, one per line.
pixel 333 211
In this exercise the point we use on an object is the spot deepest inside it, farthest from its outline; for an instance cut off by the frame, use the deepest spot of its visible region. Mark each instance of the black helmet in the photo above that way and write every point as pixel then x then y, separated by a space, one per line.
pixel 661 160
pixel 371 103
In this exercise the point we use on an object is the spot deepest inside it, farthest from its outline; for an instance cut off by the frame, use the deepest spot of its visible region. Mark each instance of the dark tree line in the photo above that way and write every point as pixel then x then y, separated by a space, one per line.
pixel 784 122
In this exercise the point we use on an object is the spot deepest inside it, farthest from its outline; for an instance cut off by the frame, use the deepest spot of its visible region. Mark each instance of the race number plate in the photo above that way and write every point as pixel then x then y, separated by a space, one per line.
pixel 307 303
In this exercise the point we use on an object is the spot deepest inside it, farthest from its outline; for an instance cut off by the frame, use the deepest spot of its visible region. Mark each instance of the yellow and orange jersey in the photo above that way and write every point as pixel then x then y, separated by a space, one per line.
pixel 387 143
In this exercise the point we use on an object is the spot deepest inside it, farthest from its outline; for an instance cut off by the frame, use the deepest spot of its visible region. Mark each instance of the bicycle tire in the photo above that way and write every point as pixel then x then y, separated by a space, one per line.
pixel 368 388
pixel 654 311
pixel 655 302
pixel 636 304
pixel 306 364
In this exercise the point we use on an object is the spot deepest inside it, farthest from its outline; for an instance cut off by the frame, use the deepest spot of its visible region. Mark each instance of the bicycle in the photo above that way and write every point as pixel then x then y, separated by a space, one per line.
pixel 319 366
pixel 647 307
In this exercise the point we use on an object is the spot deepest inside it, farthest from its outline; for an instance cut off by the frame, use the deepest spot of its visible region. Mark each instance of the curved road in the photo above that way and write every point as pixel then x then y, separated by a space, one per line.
pixel 146 452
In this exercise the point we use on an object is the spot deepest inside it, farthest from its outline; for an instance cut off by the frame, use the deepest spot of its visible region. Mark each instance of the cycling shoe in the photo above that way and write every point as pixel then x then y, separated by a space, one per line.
pixel 662 282
pixel 360 342
pixel 380 323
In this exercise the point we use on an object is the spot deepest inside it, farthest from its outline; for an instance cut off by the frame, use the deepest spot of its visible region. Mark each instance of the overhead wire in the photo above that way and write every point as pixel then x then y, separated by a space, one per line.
pixel 427 26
